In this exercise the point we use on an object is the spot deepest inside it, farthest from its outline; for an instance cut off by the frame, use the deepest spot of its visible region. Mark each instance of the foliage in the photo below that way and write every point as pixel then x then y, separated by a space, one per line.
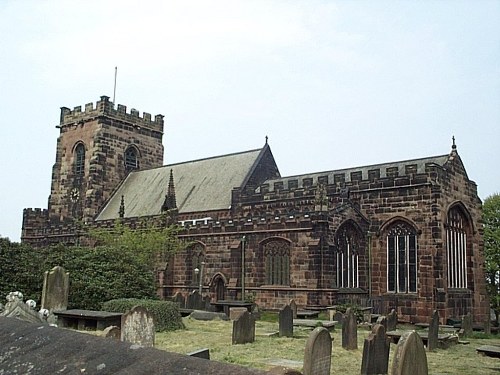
pixel 166 314
pixel 356 309
pixel 491 222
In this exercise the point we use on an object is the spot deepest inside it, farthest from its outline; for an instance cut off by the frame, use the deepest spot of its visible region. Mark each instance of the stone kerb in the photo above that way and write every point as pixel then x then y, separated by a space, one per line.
pixel 286 322
pixel 350 331
pixel 138 327
pixel 376 352
pixel 432 340
pixel 409 357
pixel 55 289
pixel 318 353
pixel 244 329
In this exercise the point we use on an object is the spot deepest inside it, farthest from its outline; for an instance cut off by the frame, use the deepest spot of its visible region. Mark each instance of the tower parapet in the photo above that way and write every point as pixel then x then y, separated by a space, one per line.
pixel 104 107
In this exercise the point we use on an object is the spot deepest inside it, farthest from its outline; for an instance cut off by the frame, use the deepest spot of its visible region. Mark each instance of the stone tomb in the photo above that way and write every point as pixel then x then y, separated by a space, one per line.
pixel 244 329
pixel 432 338
pixel 286 322
pixel 376 352
pixel 350 331
pixel 138 327
pixel 55 289
pixel 318 353
pixel 410 357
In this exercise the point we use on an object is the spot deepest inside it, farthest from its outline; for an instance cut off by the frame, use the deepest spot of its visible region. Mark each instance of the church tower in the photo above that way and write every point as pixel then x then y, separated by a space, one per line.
pixel 96 149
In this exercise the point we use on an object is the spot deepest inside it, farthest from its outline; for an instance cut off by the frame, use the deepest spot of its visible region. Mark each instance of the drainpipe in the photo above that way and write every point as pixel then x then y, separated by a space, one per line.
pixel 243 240
pixel 369 235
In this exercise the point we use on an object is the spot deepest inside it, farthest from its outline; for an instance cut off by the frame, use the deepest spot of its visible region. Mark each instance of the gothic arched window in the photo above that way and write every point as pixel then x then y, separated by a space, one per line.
pixel 456 248
pixel 80 159
pixel 131 159
pixel 401 258
pixel 196 257
pixel 348 243
pixel 277 262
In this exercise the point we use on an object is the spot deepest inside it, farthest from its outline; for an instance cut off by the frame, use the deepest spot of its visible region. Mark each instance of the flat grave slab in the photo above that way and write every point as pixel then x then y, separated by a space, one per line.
pixel 304 314
pixel 445 340
pixel 489 350
pixel 285 363
pixel 311 323
pixel 87 319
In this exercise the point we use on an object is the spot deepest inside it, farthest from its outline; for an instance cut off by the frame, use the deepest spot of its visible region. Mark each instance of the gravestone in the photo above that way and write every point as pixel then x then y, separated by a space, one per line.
pixel 55 289
pixel 293 306
pixel 383 321
pixel 179 298
pixel 112 332
pixel 195 301
pixel 392 320
pixel 236 312
pixel 286 321
pixel 467 324
pixel 338 317
pixel 18 309
pixel 350 331
pixel 244 329
pixel 376 352
pixel 138 327
pixel 318 353
pixel 409 357
pixel 432 340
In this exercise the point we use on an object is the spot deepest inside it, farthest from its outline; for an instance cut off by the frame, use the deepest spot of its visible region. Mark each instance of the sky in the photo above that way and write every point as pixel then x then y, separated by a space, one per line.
pixel 333 84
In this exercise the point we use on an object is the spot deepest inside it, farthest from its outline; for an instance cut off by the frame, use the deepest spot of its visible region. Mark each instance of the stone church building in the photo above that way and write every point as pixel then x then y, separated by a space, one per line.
pixel 405 235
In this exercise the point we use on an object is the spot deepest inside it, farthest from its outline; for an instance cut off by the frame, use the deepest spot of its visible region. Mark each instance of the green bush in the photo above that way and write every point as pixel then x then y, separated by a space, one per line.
pixel 166 314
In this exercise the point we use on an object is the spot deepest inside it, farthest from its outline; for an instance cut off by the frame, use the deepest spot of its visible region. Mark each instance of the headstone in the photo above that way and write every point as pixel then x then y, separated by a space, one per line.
pixel 467 324
pixel 200 353
pixel 338 317
pixel 293 306
pixel 376 352
pixel 112 332
pixel 138 327
pixel 350 331
pixel 286 321
pixel 487 326
pixel 432 340
pixel 179 298
pixel 409 357
pixel 383 321
pixel 236 312
pixel 194 301
pixel 318 353
pixel 392 320
pixel 244 329
pixel 55 289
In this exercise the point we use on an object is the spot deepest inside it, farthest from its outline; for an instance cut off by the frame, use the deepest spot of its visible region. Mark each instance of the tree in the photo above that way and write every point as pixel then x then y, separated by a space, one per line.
pixel 491 222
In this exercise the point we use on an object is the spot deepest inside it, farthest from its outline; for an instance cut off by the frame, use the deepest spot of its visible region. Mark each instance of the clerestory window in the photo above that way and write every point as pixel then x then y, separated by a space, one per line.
pixel 402 258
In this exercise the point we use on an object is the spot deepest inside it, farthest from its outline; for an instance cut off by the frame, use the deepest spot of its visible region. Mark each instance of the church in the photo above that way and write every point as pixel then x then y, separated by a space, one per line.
pixel 403 235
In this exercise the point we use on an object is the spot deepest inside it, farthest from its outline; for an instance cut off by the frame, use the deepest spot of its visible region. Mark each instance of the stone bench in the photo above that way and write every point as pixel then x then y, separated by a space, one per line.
pixel 87 319
pixel 311 323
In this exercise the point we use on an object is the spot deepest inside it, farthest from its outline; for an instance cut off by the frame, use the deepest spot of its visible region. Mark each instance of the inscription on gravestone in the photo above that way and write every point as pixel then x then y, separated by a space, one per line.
pixel 138 327
pixel 318 353
pixel 55 289
pixel 244 329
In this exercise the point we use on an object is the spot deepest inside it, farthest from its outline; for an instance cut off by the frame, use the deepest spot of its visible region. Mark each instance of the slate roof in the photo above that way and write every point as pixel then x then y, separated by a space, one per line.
pixel 200 185
pixel 401 167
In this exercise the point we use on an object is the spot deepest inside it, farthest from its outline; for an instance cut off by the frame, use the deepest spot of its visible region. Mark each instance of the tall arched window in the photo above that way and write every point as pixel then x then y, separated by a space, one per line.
pixel 348 243
pixel 456 248
pixel 401 258
pixel 131 159
pixel 277 262
pixel 79 159
pixel 196 255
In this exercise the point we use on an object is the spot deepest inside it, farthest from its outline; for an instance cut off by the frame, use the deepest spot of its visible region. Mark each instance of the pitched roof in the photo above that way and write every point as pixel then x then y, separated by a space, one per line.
pixel 200 185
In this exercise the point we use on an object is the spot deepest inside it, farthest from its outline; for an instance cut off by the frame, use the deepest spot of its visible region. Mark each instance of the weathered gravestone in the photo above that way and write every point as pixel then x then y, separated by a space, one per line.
pixel 138 327
pixel 409 357
pixel 293 306
pixel 383 321
pixel 244 329
pixel 55 289
pixel 236 312
pixel 179 298
pixel 376 352
pixel 432 340
pixel 286 322
pixel 350 331
pixel 195 301
pixel 112 332
pixel 318 353
pixel 467 324
pixel 392 320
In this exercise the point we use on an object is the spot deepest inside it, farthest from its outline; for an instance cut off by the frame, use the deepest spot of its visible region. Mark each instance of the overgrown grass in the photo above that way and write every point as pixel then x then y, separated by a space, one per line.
pixel 216 335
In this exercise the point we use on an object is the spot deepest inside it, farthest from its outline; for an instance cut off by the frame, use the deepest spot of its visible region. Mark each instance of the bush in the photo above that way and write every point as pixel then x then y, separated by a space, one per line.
pixel 166 314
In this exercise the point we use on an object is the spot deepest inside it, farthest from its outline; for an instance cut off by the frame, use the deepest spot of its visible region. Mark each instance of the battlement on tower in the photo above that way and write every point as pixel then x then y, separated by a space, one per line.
pixel 105 107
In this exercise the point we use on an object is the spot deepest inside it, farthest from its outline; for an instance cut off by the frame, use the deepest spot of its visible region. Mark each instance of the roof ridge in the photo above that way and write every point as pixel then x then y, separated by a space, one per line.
pixel 213 157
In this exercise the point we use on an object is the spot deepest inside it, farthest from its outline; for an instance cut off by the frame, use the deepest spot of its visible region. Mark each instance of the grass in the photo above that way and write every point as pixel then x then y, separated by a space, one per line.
pixel 216 335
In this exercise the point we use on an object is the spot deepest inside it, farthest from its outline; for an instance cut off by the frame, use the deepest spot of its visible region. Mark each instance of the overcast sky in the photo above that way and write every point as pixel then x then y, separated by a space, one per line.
pixel 334 84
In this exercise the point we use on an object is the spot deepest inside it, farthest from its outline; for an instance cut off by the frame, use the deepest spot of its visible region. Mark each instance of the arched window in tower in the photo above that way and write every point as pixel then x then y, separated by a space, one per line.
pixel 80 159
pixel 401 258
pixel 456 248
pixel 131 159
pixel 348 244
pixel 277 262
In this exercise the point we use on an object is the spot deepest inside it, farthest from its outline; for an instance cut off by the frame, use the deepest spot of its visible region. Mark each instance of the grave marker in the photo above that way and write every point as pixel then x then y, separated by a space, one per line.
pixel 383 321
pixel 195 301
pixel 467 324
pixel 376 352
pixel 432 340
pixel 112 332
pixel 409 357
pixel 244 329
pixel 55 289
pixel 350 331
pixel 138 327
pixel 318 353
pixel 179 298
pixel 392 320
pixel 286 321
pixel 293 306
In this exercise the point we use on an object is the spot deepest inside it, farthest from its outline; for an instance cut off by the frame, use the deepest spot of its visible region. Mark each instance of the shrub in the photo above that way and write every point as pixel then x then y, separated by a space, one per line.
pixel 166 314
